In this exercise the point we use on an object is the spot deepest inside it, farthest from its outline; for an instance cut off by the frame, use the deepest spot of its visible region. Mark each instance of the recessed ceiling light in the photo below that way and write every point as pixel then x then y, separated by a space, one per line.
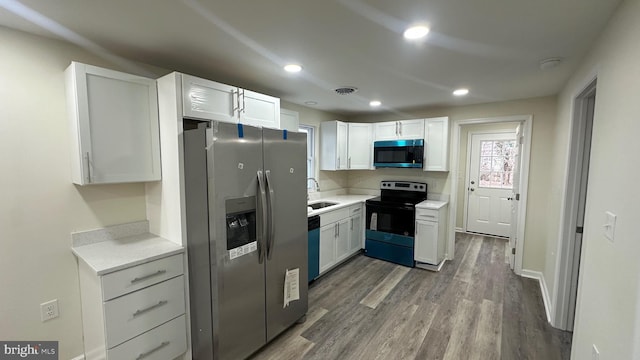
pixel 292 68
pixel 416 32
pixel 550 63
pixel 460 92
pixel 375 103
pixel 311 103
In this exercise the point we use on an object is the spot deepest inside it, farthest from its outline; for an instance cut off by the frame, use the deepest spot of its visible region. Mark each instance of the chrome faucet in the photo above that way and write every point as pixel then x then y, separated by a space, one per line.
pixel 317 186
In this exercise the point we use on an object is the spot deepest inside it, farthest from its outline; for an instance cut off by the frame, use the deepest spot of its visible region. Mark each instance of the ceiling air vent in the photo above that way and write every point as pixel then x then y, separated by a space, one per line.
pixel 346 90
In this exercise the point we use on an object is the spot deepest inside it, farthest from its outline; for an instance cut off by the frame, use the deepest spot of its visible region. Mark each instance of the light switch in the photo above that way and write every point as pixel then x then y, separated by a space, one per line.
pixel 610 225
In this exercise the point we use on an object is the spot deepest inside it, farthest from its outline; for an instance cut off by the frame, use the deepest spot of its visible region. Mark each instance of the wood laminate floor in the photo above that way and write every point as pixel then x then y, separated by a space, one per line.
pixel 475 308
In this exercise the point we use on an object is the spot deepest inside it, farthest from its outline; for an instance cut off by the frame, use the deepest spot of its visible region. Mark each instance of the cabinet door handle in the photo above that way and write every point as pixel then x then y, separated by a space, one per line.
pixel 397 128
pixel 338 162
pixel 235 98
pixel 145 354
pixel 351 224
pixel 154 306
pixel 349 162
pixel 142 278
pixel 88 167
pixel 244 102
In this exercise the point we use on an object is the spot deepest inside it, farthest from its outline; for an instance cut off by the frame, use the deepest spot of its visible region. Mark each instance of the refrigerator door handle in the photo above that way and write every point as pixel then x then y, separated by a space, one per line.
pixel 272 229
pixel 263 210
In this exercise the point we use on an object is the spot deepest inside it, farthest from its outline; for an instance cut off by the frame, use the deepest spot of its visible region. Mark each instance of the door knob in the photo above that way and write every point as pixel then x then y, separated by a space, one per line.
pixel 472 182
pixel 472 189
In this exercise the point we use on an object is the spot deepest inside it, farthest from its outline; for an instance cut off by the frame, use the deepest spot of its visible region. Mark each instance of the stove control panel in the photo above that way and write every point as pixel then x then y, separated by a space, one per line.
pixel 403 185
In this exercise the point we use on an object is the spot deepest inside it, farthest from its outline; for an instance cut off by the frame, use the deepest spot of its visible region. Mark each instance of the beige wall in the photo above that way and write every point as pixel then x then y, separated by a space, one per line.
pixel 39 207
pixel 544 117
pixel 328 180
pixel 608 313
pixel 463 160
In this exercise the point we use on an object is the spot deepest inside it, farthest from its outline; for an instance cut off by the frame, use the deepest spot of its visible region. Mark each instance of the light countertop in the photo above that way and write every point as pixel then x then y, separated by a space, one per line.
pixel 431 204
pixel 112 253
pixel 342 200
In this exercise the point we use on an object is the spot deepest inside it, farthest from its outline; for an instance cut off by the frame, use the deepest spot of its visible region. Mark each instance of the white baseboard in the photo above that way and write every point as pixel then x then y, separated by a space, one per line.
pixel 537 275
pixel 79 357
pixel 459 229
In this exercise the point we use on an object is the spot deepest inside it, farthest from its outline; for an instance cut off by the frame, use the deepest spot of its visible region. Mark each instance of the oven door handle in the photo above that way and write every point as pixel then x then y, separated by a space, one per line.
pixel 389 207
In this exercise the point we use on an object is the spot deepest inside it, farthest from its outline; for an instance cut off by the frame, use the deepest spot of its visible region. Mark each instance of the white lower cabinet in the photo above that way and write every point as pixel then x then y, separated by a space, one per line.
pixel 161 343
pixel 341 234
pixel 342 240
pixel 135 313
pixel 327 246
pixel 430 235
pixel 356 230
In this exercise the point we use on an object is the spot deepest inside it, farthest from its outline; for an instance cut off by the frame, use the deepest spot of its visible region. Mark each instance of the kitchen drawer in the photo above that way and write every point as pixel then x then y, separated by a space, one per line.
pixel 333 216
pixel 355 209
pixel 125 281
pixel 135 313
pixel 426 214
pixel 164 342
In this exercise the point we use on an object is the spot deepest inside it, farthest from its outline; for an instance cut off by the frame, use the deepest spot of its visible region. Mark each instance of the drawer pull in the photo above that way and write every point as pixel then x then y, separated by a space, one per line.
pixel 140 312
pixel 355 210
pixel 144 355
pixel 142 278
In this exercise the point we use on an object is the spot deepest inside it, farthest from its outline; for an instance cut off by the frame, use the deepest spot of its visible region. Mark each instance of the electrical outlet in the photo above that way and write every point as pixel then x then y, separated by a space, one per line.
pixel 49 310
pixel 595 354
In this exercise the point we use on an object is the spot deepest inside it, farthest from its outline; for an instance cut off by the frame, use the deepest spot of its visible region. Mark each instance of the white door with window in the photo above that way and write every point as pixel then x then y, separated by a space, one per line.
pixel 490 183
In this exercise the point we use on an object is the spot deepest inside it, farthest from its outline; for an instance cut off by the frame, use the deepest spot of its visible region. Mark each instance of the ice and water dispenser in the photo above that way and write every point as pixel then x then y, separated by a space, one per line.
pixel 241 224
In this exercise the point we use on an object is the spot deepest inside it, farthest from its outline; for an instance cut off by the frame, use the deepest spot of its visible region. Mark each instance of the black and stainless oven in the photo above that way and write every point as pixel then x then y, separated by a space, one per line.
pixel 390 222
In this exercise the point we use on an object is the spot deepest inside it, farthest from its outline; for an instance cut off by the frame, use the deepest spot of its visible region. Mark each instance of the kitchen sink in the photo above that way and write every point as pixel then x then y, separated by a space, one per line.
pixel 322 204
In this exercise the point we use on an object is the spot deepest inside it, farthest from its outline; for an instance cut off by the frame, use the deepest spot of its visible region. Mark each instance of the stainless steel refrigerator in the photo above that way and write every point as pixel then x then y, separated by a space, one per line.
pixel 246 196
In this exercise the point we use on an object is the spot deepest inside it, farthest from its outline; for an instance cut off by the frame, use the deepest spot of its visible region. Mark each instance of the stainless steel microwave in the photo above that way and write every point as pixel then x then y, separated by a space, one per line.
pixel 398 153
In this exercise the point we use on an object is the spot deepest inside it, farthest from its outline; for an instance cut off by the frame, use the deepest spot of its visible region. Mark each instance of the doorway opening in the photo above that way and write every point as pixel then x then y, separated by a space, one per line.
pixel 459 184
pixel 570 244
pixel 490 171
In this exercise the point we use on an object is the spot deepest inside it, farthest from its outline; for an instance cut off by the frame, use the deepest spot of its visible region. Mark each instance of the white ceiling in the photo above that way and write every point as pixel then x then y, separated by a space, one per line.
pixel 493 47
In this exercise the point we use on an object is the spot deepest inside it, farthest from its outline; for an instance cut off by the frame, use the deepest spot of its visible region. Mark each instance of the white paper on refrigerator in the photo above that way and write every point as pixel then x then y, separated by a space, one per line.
pixel 291 286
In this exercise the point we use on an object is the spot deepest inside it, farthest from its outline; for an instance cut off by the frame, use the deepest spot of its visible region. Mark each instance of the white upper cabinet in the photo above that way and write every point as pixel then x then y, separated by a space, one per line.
pixel 259 109
pixel 436 137
pixel 206 99
pixel 411 129
pixel 386 130
pixel 397 130
pixel 359 145
pixel 345 146
pixel 114 126
pixel 289 120
pixel 333 145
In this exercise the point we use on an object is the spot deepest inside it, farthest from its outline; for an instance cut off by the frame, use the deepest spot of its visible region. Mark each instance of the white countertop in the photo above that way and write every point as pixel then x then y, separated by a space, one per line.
pixel 121 246
pixel 432 204
pixel 342 200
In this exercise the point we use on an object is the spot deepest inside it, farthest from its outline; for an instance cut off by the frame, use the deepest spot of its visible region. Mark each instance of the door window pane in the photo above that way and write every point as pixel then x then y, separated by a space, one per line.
pixel 497 164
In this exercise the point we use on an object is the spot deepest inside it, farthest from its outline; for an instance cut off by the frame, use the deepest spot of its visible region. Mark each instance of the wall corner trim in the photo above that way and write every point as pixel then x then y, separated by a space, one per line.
pixel 537 275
